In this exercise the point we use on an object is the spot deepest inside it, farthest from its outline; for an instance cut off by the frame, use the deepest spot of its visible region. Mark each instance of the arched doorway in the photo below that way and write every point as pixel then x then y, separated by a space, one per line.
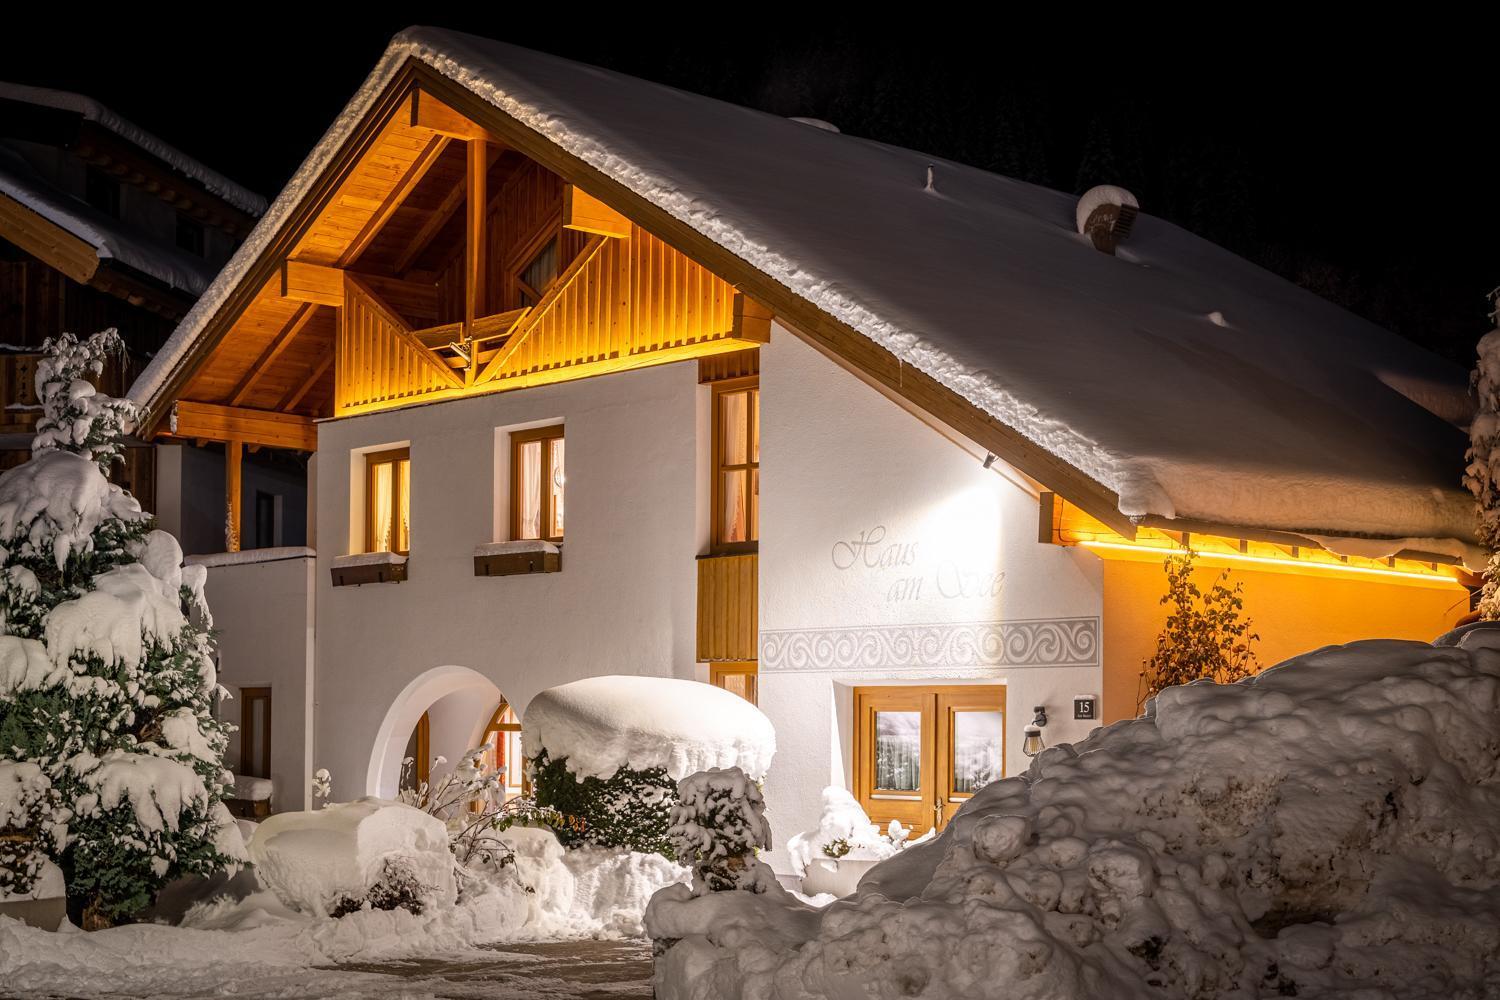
pixel 458 703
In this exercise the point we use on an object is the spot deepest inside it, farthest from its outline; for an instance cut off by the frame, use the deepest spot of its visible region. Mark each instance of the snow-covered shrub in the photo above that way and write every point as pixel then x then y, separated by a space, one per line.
pixel 717 826
pixel 607 752
pixel 397 888
pixel 106 677
pixel 1205 638
pixel 630 809
pixel 1482 477
pixel 323 860
pixel 30 826
pixel 1330 827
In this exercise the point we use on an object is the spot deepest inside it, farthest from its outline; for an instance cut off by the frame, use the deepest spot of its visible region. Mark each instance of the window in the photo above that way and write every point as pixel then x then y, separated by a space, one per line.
pixel 102 191
pixel 189 235
pixel 921 752
pixel 536 483
pixel 502 751
pixel 736 486
pixel 388 501
pixel 255 732
pixel 737 677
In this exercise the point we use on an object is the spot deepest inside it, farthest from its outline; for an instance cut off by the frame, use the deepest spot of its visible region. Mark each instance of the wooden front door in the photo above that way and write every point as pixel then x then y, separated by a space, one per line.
pixel 921 752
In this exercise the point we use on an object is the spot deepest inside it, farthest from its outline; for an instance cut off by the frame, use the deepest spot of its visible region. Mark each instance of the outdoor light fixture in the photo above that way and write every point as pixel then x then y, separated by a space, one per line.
pixel 989 459
pixel 1033 744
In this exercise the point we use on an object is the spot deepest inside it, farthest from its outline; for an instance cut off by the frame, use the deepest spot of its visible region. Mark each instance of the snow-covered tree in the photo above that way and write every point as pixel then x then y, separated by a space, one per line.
pixel 106 677
pixel 717 825
pixel 1482 476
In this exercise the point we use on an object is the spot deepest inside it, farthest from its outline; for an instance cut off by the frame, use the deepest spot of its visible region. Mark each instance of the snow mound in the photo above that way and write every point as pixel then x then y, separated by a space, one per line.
pixel 603 724
pixel 311 860
pixel 1330 827
pixel 843 818
pixel 55 502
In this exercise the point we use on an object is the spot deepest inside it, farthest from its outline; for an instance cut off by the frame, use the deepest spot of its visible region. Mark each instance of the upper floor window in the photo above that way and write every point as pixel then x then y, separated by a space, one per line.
pixel 536 476
pixel 388 501
pixel 736 486
pixel 102 191
pixel 190 235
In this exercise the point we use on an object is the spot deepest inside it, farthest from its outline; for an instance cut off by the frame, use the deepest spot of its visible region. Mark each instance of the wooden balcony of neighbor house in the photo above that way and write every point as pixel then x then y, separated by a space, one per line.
pixel 728 617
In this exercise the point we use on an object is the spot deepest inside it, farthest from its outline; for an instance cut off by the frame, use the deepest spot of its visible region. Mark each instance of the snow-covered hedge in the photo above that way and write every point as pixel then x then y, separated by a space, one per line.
pixel 607 753
pixel 1330 826
pixel 332 860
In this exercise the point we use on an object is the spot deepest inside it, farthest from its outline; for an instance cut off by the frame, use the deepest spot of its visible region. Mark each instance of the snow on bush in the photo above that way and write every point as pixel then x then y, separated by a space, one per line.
pixel 844 831
pixel 717 825
pixel 603 724
pixel 334 859
pixel 106 674
pixel 31 824
pixel 606 752
pixel 1482 477
pixel 1331 826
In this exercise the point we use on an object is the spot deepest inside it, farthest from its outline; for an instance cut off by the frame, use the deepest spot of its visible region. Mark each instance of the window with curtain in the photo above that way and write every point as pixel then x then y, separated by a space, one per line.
pixel 537 481
pixel 736 487
pixel 388 501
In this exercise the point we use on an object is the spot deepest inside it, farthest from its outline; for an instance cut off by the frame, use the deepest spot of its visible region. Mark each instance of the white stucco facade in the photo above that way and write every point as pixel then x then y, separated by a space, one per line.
pixel 889 555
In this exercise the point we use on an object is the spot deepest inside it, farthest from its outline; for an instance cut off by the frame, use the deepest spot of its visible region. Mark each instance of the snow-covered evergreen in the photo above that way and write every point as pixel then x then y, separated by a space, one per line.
pixel 106 677
pixel 1482 476
pixel 717 825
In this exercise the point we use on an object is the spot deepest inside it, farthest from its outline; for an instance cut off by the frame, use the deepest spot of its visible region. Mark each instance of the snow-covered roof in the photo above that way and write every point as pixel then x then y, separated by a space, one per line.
pixel 1185 379
pixel 240 197
pixel 110 238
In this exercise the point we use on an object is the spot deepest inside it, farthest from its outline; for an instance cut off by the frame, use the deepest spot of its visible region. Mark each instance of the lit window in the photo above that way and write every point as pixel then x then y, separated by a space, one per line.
pixel 736 488
pixel 537 481
pixel 502 751
pixel 388 501
pixel 737 677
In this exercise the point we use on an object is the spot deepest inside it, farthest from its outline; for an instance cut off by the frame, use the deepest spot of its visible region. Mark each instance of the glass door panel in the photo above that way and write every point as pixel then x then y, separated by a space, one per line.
pixel 970 744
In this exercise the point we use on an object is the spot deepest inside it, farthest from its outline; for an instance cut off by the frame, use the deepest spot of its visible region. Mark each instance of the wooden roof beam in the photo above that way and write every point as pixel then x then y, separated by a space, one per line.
pixel 212 422
pixel 436 220
pixel 587 214
pixel 298 392
pixel 393 201
pixel 427 112
pixel 274 349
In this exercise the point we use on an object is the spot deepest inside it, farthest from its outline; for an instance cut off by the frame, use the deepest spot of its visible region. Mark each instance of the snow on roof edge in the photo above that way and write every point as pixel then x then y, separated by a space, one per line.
pixel 237 195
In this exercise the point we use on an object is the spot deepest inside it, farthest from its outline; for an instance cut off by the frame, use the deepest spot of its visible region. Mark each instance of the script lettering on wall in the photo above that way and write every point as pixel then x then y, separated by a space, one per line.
pixel 905 571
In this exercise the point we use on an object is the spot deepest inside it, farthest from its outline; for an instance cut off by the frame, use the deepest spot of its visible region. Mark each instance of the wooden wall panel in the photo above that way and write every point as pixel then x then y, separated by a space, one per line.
pixel 728 613
pixel 374 362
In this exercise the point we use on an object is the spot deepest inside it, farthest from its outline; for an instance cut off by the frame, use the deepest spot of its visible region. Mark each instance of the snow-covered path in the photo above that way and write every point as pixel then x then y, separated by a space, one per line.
pixel 571 970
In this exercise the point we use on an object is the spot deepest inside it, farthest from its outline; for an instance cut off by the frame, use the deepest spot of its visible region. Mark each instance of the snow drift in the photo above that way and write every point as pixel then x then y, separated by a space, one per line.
pixel 1329 827
pixel 603 724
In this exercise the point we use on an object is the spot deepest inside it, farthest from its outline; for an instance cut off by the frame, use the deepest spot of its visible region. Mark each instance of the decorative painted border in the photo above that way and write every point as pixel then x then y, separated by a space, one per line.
pixel 1047 642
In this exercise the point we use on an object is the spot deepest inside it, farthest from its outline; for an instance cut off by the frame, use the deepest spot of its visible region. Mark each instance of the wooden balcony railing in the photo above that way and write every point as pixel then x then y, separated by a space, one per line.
pixel 728 618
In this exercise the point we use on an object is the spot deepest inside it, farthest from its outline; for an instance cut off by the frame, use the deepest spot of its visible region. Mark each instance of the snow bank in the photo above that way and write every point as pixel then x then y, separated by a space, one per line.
pixel 1331 826
pixel 603 724
pixel 311 860
pixel 55 502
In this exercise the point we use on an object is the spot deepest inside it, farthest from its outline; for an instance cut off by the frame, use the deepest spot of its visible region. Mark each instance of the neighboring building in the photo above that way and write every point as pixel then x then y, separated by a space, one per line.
pixel 845 430
pixel 103 224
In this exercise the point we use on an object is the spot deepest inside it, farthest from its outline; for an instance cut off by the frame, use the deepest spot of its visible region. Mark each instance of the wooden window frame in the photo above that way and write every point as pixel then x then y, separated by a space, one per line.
pixel 749 669
pixel 522 258
pixel 552 432
pixel 373 459
pixel 722 388
pixel 934 803
pixel 248 696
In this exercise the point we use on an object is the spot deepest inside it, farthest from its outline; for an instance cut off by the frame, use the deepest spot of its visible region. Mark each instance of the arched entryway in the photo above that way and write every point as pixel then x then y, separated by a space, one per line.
pixel 459 705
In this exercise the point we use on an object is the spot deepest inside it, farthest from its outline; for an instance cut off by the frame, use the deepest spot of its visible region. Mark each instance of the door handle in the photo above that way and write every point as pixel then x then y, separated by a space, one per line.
pixel 937 807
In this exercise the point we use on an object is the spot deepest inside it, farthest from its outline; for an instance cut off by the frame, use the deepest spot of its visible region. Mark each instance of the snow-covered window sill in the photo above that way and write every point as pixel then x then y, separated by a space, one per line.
pixel 249 556
pixel 517 558
pixel 369 567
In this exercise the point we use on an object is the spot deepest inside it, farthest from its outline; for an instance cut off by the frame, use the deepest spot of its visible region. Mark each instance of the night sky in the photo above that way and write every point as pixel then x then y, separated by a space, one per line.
pixel 1364 169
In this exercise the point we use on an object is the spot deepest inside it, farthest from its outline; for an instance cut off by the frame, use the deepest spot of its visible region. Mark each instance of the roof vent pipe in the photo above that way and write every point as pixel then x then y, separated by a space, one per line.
pixel 1106 214
pixel 815 123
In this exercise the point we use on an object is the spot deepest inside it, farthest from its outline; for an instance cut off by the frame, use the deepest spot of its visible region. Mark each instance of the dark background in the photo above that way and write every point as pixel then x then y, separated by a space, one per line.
pixel 1363 168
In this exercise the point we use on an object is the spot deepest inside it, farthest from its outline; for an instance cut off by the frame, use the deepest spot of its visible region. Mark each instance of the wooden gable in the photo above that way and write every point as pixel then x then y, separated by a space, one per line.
pixel 444 263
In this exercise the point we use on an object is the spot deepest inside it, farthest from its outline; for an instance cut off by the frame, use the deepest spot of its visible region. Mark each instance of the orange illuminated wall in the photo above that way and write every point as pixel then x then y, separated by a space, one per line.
pixel 1294 612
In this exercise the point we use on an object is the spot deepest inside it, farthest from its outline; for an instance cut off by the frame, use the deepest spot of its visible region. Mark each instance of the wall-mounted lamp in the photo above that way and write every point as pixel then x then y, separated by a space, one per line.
pixel 989 459
pixel 1033 743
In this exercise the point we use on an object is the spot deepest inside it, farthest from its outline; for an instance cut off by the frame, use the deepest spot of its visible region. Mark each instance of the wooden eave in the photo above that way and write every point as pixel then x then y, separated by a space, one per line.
pixel 863 356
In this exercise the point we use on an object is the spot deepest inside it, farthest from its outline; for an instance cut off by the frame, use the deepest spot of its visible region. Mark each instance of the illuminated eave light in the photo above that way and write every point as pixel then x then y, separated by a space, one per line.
pixel 1337 567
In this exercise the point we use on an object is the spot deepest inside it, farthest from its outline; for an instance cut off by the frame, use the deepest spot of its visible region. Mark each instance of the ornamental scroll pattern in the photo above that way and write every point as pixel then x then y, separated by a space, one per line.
pixel 1049 642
